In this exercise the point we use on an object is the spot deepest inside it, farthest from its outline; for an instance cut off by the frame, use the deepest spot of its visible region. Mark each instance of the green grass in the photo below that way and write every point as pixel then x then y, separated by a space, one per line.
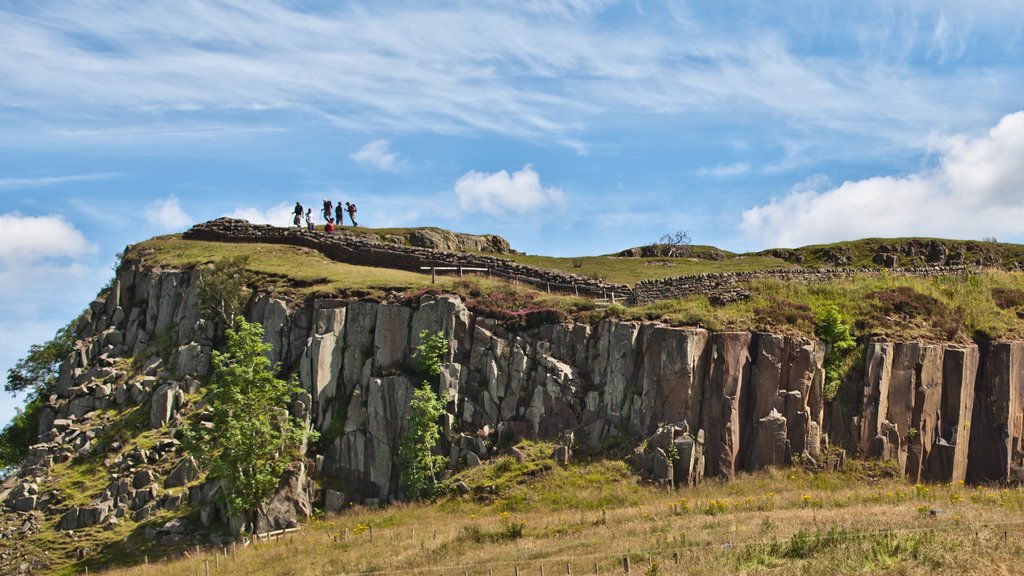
pixel 949 308
pixel 787 521
pixel 940 309
pixel 621 270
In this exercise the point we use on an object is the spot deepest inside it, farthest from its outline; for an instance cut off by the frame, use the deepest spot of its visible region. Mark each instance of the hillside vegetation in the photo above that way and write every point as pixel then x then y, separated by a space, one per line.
pixel 988 304
pixel 527 513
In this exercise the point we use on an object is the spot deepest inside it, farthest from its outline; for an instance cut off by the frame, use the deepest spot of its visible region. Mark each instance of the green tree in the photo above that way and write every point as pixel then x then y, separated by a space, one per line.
pixel 38 369
pixel 35 374
pixel 223 289
pixel 419 465
pixel 246 436
pixel 430 353
pixel 831 329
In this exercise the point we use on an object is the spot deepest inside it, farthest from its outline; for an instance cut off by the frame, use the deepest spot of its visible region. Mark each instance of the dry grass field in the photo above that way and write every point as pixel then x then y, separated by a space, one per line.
pixel 537 518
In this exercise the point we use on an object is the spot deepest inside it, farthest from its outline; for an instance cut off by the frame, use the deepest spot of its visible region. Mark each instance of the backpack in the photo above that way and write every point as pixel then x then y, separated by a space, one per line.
pixel 352 208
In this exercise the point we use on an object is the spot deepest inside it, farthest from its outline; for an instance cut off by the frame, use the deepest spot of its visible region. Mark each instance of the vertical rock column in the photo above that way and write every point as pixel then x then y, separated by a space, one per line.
pixel 995 442
pixel 926 415
pixel 724 400
pixel 878 367
pixel 672 372
pixel 947 461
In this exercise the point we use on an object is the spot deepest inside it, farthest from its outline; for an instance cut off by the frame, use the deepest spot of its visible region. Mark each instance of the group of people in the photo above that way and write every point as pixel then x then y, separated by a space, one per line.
pixel 332 215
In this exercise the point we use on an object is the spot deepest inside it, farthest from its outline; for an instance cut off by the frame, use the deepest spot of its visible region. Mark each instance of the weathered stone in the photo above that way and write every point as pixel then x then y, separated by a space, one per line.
pixel 320 366
pixel 391 337
pixel 142 479
pixel 165 403
pixel 723 400
pixel 959 373
pixel 771 445
pixel 26 503
pixel 672 373
pixel 561 455
pixel 193 360
pixel 996 434
pixel 472 460
pixel 334 501
pixel 289 505
pixel 876 393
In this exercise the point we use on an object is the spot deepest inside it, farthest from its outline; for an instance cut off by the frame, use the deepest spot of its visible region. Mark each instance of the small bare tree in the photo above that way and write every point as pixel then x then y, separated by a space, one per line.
pixel 677 238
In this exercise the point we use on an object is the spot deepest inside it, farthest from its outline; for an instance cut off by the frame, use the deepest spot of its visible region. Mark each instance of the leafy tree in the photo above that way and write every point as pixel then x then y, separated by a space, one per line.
pixel 249 437
pixel 430 353
pixel 36 374
pixel 223 289
pixel 415 451
pixel 831 329
pixel 38 369
pixel 419 465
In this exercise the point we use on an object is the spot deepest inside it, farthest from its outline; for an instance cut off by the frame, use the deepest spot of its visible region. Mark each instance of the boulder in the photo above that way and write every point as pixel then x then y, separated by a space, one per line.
pixel 184 472
pixel 289 505
pixel 193 360
pixel 771 445
pixel 142 479
pixel 334 501
pixel 165 403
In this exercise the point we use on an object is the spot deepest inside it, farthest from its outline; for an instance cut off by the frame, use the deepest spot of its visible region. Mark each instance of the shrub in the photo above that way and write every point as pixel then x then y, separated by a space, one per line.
pixel 834 332
pixel 419 465
pixel 251 438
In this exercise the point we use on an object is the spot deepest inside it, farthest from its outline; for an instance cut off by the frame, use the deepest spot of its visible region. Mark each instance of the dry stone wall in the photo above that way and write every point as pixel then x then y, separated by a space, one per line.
pixel 363 251
pixel 728 287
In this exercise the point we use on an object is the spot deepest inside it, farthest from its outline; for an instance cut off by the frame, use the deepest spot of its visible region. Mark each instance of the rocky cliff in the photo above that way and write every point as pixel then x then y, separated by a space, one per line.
pixel 695 403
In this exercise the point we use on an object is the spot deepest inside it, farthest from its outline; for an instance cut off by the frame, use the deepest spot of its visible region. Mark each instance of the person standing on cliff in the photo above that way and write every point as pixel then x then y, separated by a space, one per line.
pixel 339 214
pixel 328 210
pixel 298 215
pixel 352 213
pixel 310 223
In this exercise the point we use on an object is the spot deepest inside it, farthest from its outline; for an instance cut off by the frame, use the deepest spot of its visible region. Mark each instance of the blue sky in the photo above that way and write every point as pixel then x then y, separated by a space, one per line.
pixel 570 127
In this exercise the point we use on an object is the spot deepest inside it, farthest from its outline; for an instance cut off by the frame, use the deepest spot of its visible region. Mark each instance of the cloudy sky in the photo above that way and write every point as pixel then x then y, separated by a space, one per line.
pixel 570 127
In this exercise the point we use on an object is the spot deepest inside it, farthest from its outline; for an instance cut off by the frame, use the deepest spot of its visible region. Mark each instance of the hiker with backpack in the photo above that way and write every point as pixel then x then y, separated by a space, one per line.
pixel 352 213
pixel 328 210
pixel 298 215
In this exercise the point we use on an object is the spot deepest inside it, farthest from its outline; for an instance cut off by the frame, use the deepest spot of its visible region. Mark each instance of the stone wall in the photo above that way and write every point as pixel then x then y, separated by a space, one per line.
pixel 732 286
pixel 364 251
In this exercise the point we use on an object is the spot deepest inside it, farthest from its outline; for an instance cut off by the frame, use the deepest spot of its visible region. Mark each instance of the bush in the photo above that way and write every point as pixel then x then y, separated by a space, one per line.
pixel 250 438
pixel 419 465
pixel 831 329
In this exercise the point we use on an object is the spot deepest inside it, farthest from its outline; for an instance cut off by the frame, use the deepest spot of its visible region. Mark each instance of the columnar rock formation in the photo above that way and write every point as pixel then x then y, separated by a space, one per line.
pixel 708 404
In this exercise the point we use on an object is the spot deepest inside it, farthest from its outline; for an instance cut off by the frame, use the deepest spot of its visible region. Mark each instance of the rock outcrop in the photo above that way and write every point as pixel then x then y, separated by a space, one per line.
pixel 707 404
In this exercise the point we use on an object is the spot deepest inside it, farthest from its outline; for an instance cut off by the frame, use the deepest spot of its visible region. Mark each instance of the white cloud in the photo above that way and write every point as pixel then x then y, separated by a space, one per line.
pixel 279 215
pixel 30 238
pixel 22 183
pixel 376 154
pixel 725 170
pixel 540 68
pixel 167 214
pixel 502 192
pixel 975 190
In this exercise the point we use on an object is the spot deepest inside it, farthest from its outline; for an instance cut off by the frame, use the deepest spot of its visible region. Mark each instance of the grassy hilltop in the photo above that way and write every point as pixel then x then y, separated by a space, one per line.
pixel 986 304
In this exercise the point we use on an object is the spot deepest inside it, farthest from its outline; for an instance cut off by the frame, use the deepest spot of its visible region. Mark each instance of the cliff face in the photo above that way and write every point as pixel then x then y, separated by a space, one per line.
pixel 708 404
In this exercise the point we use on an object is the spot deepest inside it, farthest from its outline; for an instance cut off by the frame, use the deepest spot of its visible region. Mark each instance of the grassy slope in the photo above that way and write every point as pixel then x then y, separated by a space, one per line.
pixel 862 251
pixel 620 270
pixel 535 515
pixel 938 309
